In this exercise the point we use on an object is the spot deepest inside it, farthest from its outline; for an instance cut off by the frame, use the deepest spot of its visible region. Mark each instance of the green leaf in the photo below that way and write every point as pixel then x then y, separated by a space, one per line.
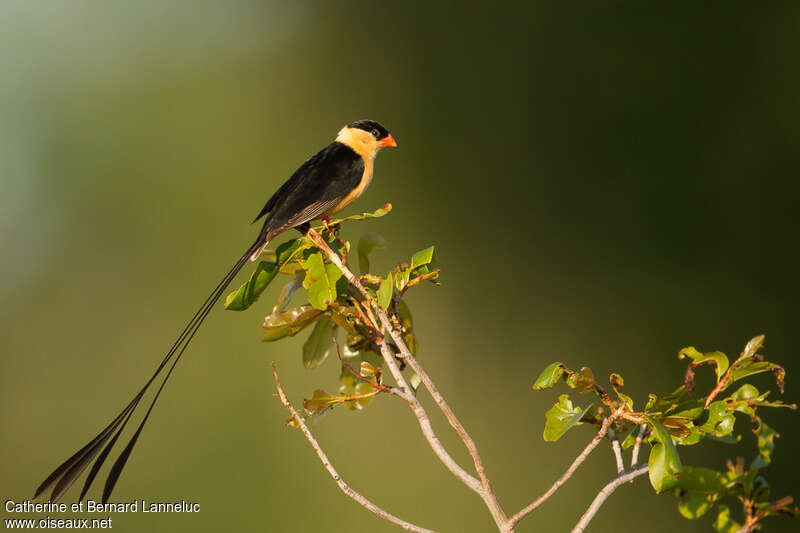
pixel 289 322
pixel 375 214
pixel 695 505
pixel 369 371
pixel 723 523
pixel 700 480
pixel 677 427
pixel 692 436
pixel 766 445
pixel 581 380
pixel 432 276
pixel 360 388
pixel 385 292
pixel 691 409
pixel 424 260
pixel 550 376
pixel 664 462
pixel 320 402
pixel 319 344
pixel 561 417
pixel 350 385
pixel 662 405
pixel 401 277
pixel 248 293
pixel 718 359
pixel 747 367
pixel 320 280
pixel 617 383
pixel 265 272
pixel 720 420
pixel 291 250
pixel 366 244
pixel 414 381
pixel 752 346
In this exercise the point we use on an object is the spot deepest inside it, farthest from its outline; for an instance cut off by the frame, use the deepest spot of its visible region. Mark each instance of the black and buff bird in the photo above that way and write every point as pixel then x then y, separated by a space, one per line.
pixel 325 184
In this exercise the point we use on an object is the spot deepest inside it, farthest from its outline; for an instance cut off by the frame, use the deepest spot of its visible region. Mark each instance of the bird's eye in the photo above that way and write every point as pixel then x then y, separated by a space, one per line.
pixel 376 134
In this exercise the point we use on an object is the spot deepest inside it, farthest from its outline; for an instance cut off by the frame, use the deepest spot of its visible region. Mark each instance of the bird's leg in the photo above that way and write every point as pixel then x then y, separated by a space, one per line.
pixel 325 221
pixel 332 232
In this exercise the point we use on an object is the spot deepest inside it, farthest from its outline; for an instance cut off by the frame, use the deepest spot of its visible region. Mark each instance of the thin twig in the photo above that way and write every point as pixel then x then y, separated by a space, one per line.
pixel 484 486
pixel 637 445
pixel 601 497
pixel 370 315
pixel 612 435
pixel 351 397
pixel 374 384
pixel 334 474
pixel 571 470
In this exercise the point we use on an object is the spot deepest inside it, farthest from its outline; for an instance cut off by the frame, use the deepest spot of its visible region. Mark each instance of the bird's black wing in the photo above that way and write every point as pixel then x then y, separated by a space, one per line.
pixel 316 187
pixel 270 205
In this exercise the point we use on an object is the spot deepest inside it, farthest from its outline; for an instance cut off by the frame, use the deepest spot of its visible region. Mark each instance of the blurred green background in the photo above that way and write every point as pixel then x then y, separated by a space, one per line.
pixel 605 183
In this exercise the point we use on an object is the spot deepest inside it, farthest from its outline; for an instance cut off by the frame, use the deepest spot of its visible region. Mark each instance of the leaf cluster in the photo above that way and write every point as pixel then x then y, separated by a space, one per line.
pixel 687 418
pixel 332 307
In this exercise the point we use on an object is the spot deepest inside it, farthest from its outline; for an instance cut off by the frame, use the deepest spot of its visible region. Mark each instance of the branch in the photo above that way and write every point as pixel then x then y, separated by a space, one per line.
pixel 571 470
pixel 448 413
pixel 482 487
pixel 425 423
pixel 603 495
pixel 612 435
pixel 334 474
pixel 637 445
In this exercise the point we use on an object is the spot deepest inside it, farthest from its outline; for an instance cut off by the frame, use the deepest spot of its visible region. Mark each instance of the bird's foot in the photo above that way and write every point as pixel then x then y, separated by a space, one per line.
pixel 325 221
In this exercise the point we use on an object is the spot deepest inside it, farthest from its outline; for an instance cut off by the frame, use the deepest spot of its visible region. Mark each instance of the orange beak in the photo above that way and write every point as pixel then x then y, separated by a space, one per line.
pixel 388 141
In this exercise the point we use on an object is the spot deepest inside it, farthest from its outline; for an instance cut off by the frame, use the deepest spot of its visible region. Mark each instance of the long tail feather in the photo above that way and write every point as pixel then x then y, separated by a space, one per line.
pixel 67 473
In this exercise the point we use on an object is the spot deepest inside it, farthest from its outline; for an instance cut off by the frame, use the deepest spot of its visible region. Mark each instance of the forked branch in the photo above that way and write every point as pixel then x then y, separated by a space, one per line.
pixel 385 327
pixel 482 487
pixel 568 474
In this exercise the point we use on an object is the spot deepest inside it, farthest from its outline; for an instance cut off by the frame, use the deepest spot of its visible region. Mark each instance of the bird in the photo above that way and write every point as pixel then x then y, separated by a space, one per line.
pixel 325 184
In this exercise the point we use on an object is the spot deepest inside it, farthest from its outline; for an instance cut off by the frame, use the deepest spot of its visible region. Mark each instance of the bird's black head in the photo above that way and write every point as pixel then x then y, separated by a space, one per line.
pixel 377 131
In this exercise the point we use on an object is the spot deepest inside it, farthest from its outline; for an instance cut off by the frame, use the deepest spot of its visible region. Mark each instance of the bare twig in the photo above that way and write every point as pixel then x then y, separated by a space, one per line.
pixel 571 470
pixel 603 495
pixel 484 487
pixel 334 474
pixel 637 445
pixel 612 435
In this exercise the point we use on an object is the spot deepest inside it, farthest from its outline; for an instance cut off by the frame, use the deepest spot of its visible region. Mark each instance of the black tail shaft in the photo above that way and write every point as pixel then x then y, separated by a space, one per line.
pixel 69 471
